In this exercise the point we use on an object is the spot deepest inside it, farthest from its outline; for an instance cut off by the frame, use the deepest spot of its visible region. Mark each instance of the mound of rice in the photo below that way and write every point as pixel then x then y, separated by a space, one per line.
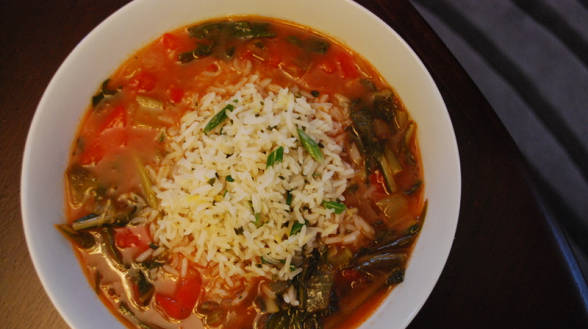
pixel 222 206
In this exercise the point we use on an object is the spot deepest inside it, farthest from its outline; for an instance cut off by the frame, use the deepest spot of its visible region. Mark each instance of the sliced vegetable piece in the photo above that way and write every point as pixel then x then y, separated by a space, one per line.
pixel 258 220
pixel 393 206
pixel 149 103
pixel 89 221
pixel 275 156
pixel 408 137
pixel 318 291
pixel 388 173
pixel 218 118
pixel 310 145
pixel 337 206
pixel 81 181
pixel 145 183
pixel 296 228
pixel 83 240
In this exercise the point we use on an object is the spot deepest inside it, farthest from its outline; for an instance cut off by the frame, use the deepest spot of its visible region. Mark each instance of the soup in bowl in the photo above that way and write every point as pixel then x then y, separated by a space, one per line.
pixel 240 169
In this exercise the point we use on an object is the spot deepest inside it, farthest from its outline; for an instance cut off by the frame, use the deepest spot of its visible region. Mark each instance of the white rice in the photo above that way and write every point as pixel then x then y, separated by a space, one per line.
pixel 211 221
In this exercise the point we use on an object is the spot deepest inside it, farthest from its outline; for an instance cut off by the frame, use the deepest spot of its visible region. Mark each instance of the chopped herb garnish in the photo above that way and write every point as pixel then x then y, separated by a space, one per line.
pixel 310 145
pixel 211 181
pixel 274 157
pixel 258 220
pixel 229 178
pixel 239 230
pixel 153 245
pixel 218 118
pixel 297 227
pixel 314 93
pixel 337 206
pixel 289 197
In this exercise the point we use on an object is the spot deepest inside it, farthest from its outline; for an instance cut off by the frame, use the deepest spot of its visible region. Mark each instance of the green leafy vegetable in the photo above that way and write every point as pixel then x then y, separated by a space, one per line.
pixel 289 197
pixel 229 178
pixel 310 145
pixel 337 206
pixel 248 30
pixel 218 118
pixel 317 45
pixel 83 240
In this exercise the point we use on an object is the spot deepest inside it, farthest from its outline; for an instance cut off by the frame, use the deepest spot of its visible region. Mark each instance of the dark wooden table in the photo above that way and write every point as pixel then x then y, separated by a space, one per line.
pixel 505 269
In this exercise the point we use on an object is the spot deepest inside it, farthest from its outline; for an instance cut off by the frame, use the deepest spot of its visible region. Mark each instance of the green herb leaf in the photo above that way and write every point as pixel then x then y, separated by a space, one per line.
pixel 211 181
pixel 289 197
pixel 337 206
pixel 218 118
pixel 310 145
pixel 229 178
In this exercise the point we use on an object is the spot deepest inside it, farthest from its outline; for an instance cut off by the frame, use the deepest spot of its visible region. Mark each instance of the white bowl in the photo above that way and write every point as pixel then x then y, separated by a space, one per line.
pixel 108 45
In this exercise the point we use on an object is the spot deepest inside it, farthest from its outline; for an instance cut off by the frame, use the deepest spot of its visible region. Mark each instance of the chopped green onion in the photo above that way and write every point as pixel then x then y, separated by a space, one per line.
pixel 229 178
pixel 211 181
pixel 275 156
pixel 218 118
pixel 315 93
pixel 310 145
pixel 288 198
pixel 258 220
pixel 296 228
pixel 337 206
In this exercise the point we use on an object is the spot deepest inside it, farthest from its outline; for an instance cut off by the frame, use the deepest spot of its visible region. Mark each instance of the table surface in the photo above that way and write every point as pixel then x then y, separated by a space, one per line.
pixel 505 268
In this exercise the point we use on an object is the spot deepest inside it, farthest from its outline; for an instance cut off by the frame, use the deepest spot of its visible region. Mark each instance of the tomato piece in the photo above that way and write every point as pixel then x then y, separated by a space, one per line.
pixel 143 81
pixel 169 41
pixel 180 305
pixel 116 119
pixel 133 236
pixel 175 94
pixel 347 65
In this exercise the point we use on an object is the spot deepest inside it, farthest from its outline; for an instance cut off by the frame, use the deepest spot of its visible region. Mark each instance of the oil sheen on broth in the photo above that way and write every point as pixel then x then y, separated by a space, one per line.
pixel 346 238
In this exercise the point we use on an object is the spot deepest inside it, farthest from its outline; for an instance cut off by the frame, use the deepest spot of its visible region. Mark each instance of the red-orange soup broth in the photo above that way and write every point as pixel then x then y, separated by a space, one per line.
pixel 114 200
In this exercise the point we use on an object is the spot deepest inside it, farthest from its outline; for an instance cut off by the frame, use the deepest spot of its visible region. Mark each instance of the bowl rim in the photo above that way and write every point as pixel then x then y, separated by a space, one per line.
pixel 25 182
